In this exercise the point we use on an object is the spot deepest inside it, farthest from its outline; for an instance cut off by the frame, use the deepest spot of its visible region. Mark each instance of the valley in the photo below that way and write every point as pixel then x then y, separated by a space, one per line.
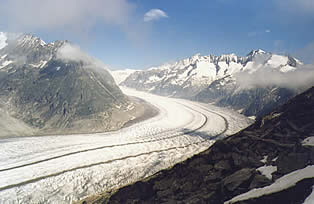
pixel 66 168
pixel 106 102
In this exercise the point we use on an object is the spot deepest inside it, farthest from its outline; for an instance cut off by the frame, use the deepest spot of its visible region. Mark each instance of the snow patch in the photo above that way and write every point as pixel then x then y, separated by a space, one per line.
pixel 205 69
pixel 280 184
pixel 264 160
pixel 252 117
pixel 309 141
pixel 3 40
pixel 287 68
pixel 41 64
pixel 5 63
pixel 3 56
pixel 310 198
pixel 267 171
pixel 153 79
pixel 277 60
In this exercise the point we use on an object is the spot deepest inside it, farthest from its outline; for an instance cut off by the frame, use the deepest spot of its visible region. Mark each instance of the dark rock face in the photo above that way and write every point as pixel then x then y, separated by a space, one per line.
pixel 49 93
pixel 235 180
pixel 229 167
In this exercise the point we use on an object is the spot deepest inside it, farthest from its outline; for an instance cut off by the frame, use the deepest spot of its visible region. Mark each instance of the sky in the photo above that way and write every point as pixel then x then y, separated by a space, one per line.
pixel 138 34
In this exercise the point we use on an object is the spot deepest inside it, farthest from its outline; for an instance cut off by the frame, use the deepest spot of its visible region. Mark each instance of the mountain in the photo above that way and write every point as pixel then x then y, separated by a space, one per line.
pixel 55 88
pixel 271 161
pixel 227 80
pixel 121 75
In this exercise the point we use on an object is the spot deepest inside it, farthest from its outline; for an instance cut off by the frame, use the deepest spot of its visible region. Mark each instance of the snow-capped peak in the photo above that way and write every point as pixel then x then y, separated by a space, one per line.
pixel 195 57
pixel 3 40
pixel 30 40
pixel 255 52
pixel 228 58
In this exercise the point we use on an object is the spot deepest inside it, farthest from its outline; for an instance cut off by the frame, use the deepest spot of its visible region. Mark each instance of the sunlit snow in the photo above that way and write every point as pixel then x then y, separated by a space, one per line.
pixel 280 184
pixel 267 171
pixel 3 40
pixel 309 141
pixel 5 63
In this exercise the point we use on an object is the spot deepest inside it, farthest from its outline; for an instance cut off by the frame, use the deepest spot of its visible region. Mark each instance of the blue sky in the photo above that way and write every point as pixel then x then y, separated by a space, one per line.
pixel 118 33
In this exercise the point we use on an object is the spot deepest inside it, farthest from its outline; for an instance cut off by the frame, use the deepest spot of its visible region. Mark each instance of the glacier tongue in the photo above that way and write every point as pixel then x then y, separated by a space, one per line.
pixel 64 169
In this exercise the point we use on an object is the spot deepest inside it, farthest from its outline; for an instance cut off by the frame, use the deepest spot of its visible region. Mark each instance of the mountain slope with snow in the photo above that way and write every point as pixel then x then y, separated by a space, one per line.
pixel 219 79
pixel 57 86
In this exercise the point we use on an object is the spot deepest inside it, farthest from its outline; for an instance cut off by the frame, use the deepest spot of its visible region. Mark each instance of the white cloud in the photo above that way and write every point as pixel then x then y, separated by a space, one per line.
pixel 301 78
pixel 69 52
pixel 154 14
pixel 78 15
pixel 267 31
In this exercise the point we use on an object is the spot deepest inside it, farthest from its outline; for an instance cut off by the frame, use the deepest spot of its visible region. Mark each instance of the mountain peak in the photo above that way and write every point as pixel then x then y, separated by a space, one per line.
pixel 29 39
pixel 255 52
pixel 59 43
pixel 196 56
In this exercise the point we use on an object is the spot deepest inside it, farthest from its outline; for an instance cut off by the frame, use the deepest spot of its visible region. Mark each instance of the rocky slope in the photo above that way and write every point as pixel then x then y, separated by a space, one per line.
pixel 55 87
pixel 277 150
pixel 223 79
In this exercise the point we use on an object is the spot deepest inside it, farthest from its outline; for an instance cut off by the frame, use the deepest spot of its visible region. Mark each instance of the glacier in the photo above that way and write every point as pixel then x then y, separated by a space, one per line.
pixel 67 168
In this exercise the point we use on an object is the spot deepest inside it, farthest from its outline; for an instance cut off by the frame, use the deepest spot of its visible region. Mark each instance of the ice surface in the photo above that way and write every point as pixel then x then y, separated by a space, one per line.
pixel 66 168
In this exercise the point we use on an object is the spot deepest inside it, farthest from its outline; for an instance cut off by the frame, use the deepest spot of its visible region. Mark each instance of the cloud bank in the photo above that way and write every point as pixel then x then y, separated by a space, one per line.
pixel 154 14
pixel 77 15
pixel 301 78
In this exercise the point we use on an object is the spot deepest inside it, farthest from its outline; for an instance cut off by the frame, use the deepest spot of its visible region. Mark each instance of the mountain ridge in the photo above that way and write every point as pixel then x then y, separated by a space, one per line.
pixel 219 79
